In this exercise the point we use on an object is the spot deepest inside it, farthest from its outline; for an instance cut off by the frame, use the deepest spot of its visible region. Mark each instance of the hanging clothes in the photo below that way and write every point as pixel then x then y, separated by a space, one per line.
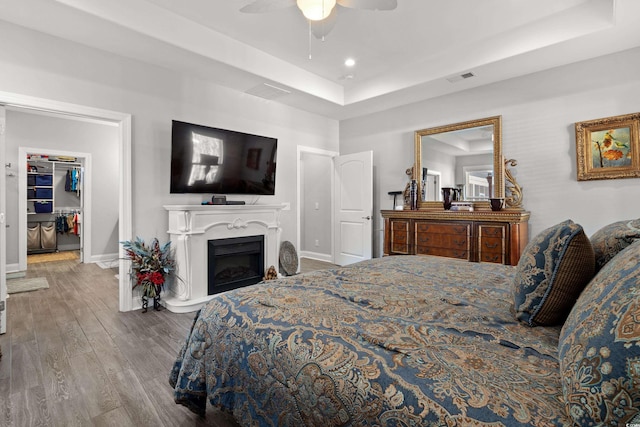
pixel 77 219
pixel 72 180
pixel 61 224
pixel 68 223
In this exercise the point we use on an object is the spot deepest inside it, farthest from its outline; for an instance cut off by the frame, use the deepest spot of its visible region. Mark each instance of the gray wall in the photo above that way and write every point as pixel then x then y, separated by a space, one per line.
pixel 47 67
pixel 55 134
pixel 538 112
pixel 316 206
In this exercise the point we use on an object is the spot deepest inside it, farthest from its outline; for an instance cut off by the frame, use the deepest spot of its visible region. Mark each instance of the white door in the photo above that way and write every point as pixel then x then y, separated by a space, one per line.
pixel 353 207
pixel 3 230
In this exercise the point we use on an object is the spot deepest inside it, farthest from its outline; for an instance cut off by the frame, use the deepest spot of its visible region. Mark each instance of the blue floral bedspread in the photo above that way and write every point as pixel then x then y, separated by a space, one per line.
pixel 395 341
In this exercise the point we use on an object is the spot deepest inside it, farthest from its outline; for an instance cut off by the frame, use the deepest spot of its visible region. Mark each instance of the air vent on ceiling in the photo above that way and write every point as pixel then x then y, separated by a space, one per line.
pixel 268 91
pixel 459 77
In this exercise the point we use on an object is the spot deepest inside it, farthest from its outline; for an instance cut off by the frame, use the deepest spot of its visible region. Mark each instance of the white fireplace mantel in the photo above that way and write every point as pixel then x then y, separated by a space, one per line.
pixel 190 229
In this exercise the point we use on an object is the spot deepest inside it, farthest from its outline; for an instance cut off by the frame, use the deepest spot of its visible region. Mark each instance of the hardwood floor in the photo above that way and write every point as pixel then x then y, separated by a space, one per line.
pixel 70 358
pixel 307 264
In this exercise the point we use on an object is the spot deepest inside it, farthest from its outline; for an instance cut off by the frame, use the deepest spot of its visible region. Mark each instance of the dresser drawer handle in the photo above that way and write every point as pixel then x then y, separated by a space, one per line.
pixel 459 242
pixel 490 246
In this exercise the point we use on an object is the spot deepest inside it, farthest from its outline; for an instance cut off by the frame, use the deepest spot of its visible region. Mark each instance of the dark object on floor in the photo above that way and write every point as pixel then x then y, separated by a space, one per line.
pixel 288 258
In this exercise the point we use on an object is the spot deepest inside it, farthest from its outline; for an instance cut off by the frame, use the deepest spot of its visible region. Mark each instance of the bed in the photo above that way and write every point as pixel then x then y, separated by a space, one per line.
pixel 408 341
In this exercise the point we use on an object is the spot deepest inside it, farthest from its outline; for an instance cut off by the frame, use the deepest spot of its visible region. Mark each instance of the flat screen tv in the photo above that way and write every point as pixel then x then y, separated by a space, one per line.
pixel 220 161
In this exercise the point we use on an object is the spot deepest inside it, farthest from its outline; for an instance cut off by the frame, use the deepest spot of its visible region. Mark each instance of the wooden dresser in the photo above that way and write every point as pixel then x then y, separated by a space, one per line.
pixel 478 236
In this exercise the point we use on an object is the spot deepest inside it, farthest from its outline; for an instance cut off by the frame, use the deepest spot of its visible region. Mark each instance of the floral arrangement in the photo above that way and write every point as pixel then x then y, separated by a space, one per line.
pixel 150 264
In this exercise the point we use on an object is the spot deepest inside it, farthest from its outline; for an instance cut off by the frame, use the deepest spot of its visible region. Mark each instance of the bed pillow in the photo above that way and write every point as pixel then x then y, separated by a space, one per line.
pixel 554 268
pixel 613 238
pixel 599 346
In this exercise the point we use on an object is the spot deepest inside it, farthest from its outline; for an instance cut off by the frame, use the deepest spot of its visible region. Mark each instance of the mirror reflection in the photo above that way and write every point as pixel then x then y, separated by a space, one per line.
pixel 465 157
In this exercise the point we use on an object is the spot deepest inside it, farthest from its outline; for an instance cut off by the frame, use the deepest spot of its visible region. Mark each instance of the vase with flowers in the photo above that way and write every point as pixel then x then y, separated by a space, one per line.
pixel 150 265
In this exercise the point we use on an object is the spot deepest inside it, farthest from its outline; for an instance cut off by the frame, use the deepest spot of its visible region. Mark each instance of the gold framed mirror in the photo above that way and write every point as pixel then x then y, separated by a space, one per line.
pixel 466 156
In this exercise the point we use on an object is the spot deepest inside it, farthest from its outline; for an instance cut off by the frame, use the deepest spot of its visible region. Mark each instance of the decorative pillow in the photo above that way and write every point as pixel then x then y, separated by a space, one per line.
pixel 554 268
pixel 599 346
pixel 613 238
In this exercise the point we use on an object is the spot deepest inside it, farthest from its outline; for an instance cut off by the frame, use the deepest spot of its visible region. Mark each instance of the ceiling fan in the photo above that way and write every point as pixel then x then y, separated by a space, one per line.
pixel 321 14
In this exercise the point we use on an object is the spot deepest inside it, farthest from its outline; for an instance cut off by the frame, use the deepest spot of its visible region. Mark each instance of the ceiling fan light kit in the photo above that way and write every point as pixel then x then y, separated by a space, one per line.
pixel 316 10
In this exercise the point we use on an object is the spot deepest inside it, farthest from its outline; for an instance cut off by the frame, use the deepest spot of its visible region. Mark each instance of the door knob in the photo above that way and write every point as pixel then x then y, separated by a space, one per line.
pixel 366 217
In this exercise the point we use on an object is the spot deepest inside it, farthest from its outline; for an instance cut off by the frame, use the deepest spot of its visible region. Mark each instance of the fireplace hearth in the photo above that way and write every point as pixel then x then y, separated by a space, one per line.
pixel 234 262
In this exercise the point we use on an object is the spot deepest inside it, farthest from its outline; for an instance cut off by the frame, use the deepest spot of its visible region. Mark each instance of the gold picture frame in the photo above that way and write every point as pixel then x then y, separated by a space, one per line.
pixel 608 148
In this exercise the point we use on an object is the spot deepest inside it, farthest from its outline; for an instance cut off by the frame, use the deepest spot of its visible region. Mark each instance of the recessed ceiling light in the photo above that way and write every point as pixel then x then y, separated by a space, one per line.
pixel 350 62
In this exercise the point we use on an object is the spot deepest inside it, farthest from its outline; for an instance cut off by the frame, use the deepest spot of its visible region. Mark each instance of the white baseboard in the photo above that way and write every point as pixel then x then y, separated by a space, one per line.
pixel 13 268
pixel 103 258
pixel 317 256
pixel 15 274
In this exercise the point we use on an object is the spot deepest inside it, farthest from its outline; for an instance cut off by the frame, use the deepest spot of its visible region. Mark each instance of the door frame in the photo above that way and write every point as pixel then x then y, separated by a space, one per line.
pixel 3 226
pixel 299 187
pixel 85 229
pixel 123 121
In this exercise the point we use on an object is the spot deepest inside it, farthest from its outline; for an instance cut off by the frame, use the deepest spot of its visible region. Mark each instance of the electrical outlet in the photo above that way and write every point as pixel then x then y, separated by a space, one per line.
pixel 317 242
pixel 317 205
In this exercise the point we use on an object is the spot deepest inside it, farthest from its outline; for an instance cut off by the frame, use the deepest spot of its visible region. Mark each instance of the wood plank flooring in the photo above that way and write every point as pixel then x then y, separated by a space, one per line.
pixel 70 358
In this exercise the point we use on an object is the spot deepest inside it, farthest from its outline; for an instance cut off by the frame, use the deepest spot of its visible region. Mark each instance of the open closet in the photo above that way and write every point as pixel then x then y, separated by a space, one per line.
pixel 54 203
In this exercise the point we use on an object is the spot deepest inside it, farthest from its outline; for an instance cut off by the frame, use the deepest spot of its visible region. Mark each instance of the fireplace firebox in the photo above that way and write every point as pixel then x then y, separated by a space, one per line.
pixel 234 263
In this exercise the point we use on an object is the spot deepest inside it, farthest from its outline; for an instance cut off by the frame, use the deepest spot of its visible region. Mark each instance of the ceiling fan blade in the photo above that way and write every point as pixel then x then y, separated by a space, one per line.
pixel 263 6
pixel 369 4
pixel 321 28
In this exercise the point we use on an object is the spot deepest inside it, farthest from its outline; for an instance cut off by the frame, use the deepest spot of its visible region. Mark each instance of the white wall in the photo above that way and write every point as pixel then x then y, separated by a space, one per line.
pixel 46 67
pixel 538 116
pixel 56 134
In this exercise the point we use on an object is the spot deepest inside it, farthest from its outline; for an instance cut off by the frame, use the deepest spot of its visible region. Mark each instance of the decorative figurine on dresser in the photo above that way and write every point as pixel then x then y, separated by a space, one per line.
pixel 483 223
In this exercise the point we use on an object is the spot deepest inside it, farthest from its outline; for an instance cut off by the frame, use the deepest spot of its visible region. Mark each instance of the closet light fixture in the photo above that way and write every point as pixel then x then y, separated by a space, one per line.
pixel 316 10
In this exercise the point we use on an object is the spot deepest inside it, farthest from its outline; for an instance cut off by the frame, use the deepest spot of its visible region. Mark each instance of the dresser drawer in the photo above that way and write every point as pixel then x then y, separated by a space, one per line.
pixel 453 241
pixel 399 237
pixel 445 252
pixel 491 243
pixel 454 237
pixel 442 228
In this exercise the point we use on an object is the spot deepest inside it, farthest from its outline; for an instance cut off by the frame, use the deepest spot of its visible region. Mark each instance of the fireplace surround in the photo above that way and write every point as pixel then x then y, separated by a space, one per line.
pixel 191 227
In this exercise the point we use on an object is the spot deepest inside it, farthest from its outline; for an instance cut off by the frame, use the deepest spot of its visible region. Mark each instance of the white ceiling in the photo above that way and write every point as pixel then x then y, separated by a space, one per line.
pixel 403 56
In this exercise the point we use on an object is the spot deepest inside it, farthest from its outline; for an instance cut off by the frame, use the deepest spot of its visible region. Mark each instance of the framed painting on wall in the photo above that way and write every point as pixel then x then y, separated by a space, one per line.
pixel 608 148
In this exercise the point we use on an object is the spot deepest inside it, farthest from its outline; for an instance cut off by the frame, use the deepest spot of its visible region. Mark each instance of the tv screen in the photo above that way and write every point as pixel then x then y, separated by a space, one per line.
pixel 219 161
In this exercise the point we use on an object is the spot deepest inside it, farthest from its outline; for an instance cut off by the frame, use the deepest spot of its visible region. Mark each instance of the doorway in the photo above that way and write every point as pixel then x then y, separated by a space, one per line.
pixel 53 218
pixel 122 122
pixel 315 203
